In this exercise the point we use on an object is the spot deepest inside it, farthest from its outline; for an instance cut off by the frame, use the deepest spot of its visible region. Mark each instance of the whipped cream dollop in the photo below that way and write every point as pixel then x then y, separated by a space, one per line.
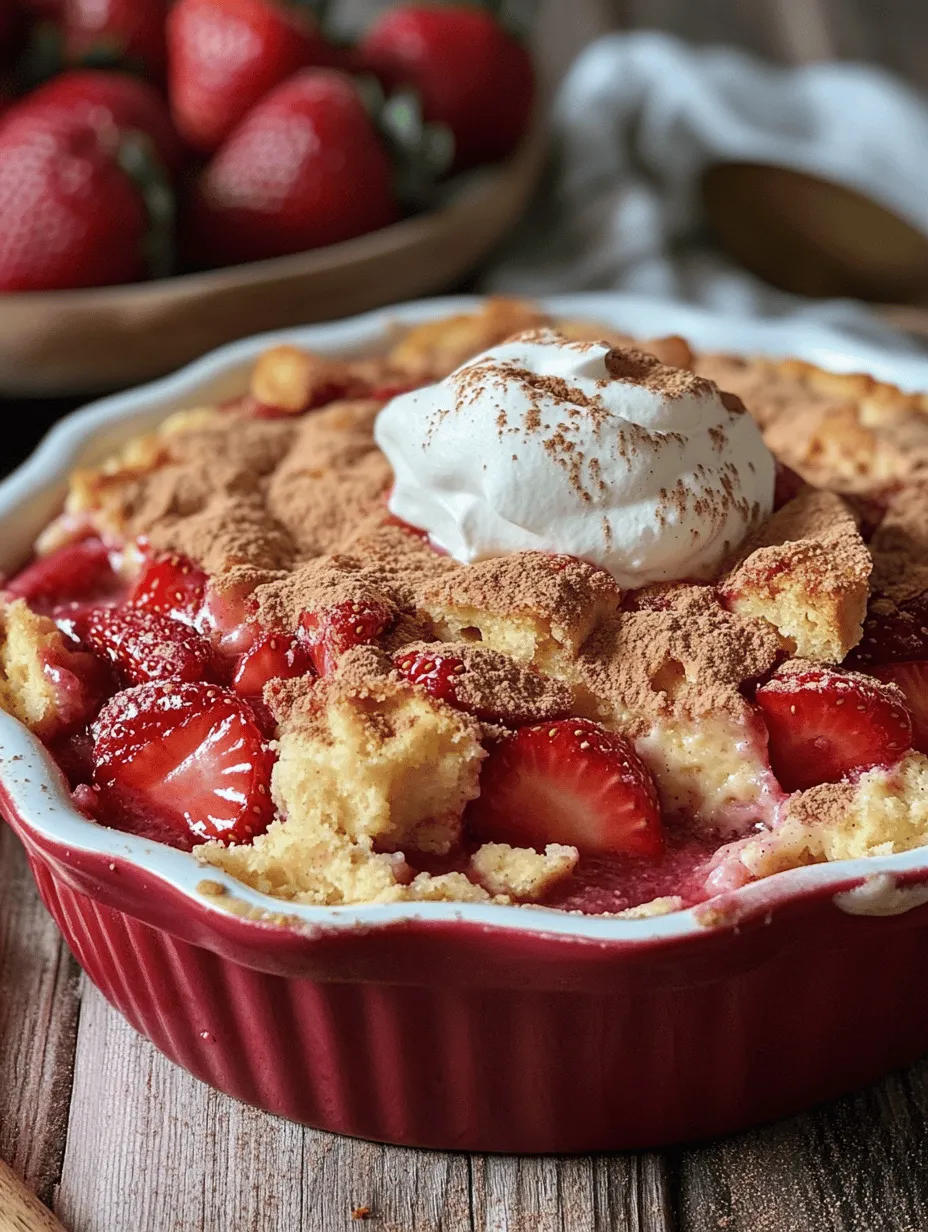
pixel 603 453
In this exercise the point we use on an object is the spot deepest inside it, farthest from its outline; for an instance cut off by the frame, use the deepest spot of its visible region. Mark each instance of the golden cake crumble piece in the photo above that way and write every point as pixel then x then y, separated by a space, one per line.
pixel 713 769
pixel 667 673
pixel 657 906
pixel 883 813
pixel 536 607
pixel 431 350
pixel 367 765
pixel 851 432
pixel 521 873
pixel 292 380
pixel 176 473
pixel 900 545
pixel 376 757
pixel 677 653
pixel 493 685
pixel 228 532
pixel 805 571
pixel 31 648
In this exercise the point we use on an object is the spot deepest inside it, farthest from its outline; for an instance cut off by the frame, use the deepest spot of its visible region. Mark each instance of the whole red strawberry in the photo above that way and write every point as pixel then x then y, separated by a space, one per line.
pixel 469 72
pixel 115 102
pixel 129 32
pixel 304 168
pixel 69 215
pixel 225 55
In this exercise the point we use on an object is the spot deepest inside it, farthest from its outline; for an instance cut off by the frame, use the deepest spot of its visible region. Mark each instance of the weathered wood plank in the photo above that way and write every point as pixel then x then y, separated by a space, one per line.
pixel 150 1147
pixel 859 1163
pixel 400 1190
pixel 582 1194
pixel 39 1002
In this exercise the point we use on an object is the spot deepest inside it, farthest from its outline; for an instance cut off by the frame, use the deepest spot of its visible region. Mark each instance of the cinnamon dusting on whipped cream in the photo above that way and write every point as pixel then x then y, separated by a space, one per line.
pixel 551 445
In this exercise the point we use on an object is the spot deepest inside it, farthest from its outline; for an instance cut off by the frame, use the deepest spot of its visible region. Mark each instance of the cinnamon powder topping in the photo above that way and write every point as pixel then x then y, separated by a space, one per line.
pixel 492 685
pixel 683 654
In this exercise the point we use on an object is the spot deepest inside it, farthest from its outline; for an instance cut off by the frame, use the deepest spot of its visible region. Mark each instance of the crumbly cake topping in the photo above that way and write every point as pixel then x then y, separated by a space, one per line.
pixel 900 546
pixel 848 432
pixel 560 588
pixel 493 683
pixel 814 534
pixel 291 510
pixel 683 654
pixel 228 532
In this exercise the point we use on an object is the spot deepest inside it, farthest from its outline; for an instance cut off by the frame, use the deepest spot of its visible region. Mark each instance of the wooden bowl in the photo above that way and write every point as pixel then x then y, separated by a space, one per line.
pixel 75 342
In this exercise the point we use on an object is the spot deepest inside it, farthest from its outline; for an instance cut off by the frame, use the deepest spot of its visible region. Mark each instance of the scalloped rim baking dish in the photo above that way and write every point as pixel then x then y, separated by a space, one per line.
pixel 29 497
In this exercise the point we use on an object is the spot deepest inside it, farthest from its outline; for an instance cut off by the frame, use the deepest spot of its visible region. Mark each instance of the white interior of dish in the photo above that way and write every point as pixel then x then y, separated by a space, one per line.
pixel 33 494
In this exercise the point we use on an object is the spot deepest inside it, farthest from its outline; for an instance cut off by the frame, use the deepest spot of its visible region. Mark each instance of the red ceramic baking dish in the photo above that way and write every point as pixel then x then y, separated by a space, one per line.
pixel 469 1026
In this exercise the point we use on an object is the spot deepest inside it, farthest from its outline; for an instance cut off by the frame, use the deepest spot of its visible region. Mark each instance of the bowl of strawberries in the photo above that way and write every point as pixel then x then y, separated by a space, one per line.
pixel 175 174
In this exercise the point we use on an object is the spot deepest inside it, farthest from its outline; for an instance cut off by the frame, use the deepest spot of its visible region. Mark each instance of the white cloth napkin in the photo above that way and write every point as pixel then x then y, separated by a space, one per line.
pixel 636 121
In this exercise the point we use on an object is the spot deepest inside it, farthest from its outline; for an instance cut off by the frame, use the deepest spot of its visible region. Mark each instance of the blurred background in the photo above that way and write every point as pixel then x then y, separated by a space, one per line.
pixel 759 156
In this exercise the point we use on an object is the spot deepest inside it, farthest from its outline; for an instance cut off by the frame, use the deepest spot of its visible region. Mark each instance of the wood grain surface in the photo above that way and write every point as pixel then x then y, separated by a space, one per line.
pixel 116 1139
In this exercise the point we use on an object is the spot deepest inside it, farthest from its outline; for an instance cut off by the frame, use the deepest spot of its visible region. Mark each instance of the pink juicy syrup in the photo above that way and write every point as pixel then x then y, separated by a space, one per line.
pixel 609 883
pixel 602 883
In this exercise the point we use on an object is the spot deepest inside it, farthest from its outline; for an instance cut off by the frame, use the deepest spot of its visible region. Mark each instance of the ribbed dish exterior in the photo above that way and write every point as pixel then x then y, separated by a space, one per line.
pixel 505 1069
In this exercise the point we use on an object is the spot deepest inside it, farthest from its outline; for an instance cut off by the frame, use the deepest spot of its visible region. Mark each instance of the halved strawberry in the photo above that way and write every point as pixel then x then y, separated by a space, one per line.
pixel 171 585
pixel 77 571
pixel 145 645
pixel 271 656
pixel 568 782
pixel 825 725
pixel 227 617
pixel 912 679
pixel 330 631
pixel 183 762
pixel 893 633
pixel 435 672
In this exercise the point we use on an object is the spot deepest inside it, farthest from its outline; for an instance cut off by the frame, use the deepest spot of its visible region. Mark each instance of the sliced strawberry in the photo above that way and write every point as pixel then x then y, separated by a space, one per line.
pixel 434 672
pixel 227 617
pixel 912 679
pixel 80 682
pixel 893 633
pixel 171 585
pixel 183 763
pixel 145 645
pixel 272 656
pixel 331 631
pixel 825 725
pixel 568 782
pixel 77 571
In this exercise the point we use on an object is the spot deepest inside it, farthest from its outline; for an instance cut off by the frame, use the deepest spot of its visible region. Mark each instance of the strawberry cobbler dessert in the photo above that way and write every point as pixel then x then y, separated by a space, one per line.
pixel 520 611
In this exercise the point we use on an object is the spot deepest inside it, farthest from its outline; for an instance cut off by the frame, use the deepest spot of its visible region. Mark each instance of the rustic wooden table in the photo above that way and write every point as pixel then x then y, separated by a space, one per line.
pixel 116 1139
